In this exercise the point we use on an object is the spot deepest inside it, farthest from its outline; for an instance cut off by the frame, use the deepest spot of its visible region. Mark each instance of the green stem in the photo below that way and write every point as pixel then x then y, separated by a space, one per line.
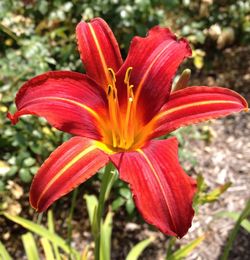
pixel 171 243
pixel 69 219
pixel 107 182
pixel 8 32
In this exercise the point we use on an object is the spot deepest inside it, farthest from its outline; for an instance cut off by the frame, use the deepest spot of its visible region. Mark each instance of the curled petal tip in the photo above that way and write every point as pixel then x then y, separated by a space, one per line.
pixel 12 118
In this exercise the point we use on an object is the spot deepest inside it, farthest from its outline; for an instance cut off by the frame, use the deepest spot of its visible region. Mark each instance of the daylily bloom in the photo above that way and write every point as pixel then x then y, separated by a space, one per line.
pixel 115 111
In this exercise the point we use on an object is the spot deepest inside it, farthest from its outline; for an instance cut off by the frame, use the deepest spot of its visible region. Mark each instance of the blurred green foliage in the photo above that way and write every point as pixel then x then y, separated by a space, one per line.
pixel 39 35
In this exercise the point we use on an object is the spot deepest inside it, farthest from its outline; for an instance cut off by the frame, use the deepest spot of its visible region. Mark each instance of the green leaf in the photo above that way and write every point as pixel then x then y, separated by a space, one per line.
pixel 4 253
pixel 215 194
pixel 130 206
pixel 47 248
pixel 92 204
pixel 30 246
pixel 125 192
pixel 29 162
pixel 41 231
pixel 84 255
pixel 25 175
pixel 136 251
pixel 52 230
pixel 117 203
pixel 235 216
pixel 12 171
pixel 245 214
pixel 185 250
pixel 106 231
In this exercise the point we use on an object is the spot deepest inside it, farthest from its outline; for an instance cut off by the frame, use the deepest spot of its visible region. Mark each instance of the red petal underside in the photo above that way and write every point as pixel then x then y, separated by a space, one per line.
pixel 196 104
pixel 154 60
pixel 69 165
pixel 70 101
pixel 98 49
pixel 162 191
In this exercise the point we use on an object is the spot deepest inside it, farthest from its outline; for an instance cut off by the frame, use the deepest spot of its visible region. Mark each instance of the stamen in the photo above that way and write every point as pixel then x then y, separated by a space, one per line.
pixel 112 113
pixel 129 127
pixel 112 73
pixel 109 90
pixel 122 129
pixel 127 75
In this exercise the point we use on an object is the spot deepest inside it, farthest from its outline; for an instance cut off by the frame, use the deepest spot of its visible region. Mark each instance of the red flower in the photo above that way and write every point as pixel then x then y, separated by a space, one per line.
pixel 115 110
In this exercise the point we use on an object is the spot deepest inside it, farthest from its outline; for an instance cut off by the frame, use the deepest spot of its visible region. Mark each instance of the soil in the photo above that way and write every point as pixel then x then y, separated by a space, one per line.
pixel 223 157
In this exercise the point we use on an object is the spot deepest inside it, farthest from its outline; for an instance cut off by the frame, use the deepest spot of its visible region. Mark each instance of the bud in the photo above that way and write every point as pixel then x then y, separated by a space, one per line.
pixel 183 80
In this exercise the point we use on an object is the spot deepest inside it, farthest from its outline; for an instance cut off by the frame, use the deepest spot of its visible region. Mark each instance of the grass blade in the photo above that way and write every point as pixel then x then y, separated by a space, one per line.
pixel 235 216
pixel 52 230
pixel 41 231
pixel 106 231
pixel 4 253
pixel 92 204
pixel 30 246
pixel 186 250
pixel 245 213
pixel 136 251
pixel 47 248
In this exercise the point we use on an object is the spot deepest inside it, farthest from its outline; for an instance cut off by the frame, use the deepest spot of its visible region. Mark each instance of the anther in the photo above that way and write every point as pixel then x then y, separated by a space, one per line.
pixel 127 75
pixel 112 73
pixel 109 89
pixel 131 93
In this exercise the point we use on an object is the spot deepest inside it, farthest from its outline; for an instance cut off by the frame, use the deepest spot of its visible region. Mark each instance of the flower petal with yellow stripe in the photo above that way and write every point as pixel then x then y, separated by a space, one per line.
pixel 69 165
pixel 115 110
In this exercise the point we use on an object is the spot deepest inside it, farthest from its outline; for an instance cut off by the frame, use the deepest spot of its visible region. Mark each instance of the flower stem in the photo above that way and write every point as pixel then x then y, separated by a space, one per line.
pixel 69 219
pixel 106 185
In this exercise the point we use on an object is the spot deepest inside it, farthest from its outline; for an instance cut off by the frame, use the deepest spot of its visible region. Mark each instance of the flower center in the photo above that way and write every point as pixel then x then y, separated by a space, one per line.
pixel 122 129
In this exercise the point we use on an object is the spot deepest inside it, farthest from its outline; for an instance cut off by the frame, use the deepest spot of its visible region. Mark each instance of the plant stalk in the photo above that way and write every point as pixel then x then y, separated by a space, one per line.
pixel 107 182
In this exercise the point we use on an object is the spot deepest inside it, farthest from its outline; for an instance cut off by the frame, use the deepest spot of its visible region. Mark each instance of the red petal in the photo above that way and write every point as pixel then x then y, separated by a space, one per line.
pixel 162 191
pixel 195 104
pixel 70 101
pixel 69 165
pixel 98 49
pixel 154 60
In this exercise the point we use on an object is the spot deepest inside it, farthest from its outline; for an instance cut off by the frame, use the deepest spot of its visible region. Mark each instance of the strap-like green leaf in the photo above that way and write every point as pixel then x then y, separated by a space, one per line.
pixel 92 204
pixel 235 216
pixel 30 246
pixel 4 253
pixel 52 230
pixel 106 231
pixel 41 231
pixel 186 250
pixel 245 214
pixel 48 251
pixel 136 251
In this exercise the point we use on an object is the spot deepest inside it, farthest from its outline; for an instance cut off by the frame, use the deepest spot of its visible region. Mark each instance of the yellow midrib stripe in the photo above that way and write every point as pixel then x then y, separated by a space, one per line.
pixel 65 168
pixel 174 109
pixel 103 61
pixel 159 182
pixel 138 91
pixel 90 110
pixel 147 128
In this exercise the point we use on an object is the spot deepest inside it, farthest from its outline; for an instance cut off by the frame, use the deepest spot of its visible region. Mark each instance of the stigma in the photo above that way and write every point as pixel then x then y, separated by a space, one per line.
pixel 122 123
